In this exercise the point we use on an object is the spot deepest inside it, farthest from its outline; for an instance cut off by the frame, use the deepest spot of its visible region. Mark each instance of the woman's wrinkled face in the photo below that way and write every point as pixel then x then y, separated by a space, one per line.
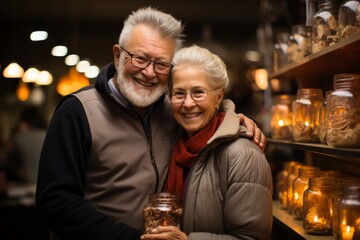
pixel 142 87
pixel 194 115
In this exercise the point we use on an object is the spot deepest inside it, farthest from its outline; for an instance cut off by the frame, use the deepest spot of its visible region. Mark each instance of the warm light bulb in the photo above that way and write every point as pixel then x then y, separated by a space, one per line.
pixel 13 70
pixel 45 78
pixel 38 35
pixel 261 78
pixel 22 91
pixel 31 75
pixel 281 123
pixel 59 51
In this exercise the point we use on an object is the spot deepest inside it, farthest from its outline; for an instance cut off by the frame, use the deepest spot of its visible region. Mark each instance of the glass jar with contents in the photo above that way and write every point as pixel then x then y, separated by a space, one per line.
pixel 163 209
pixel 343 111
pixel 281 117
pixel 294 173
pixel 349 18
pixel 318 206
pixel 299 43
pixel 306 114
pixel 340 185
pixel 300 184
pixel 349 212
pixel 280 53
pixel 326 27
pixel 322 119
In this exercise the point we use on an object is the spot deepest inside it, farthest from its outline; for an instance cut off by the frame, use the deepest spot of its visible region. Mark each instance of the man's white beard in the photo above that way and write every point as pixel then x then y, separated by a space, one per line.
pixel 139 97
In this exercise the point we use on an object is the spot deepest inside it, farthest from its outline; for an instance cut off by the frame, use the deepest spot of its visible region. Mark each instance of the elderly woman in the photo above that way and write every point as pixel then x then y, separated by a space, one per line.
pixel 225 181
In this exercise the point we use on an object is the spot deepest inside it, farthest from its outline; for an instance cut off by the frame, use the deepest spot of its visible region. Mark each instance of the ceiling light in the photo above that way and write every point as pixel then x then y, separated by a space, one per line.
pixel 13 70
pixel 82 66
pixel 59 51
pixel 92 72
pixel 38 35
pixel 31 75
pixel 45 78
pixel 72 59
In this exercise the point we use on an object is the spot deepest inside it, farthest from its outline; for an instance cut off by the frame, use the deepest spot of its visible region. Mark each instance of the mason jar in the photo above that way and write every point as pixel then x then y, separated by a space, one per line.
pixel 300 184
pixel 294 173
pixel 349 18
pixel 280 52
pixel 318 206
pixel 281 117
pixel 306 109
pixel 343 111
pixel 322 119
pixel 340 185
pixel 163 209
pixel 326 27
pixel 349 209
pixel 299 43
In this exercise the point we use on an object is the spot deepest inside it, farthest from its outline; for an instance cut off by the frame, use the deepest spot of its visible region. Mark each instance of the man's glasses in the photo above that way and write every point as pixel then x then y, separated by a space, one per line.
pixel 143 62
pixel 198 95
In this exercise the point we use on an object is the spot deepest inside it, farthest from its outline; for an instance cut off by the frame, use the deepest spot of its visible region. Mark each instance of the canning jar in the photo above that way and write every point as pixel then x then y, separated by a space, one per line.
pixel 294 173
pixel 343 107
pixel 322 119
pixel 163 209
pixel 340 185
pixel 280 53
pixel 326 27
pixel 306 114
pixel 318 206
pixel 300 184
pixel 349 209
pixel 281 117
pixel 299 43
pixel 349 18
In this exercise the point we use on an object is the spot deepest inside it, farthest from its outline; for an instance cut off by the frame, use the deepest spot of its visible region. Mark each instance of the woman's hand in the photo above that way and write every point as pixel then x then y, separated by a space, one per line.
pixel 253 131
pixel 165 232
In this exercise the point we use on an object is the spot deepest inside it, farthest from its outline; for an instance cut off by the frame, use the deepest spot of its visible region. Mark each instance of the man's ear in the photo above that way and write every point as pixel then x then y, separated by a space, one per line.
pixel 116 52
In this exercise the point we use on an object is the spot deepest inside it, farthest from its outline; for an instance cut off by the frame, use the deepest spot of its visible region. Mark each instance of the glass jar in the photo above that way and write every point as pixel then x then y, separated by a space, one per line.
pixel 325 29
pixel 349 18
pixel 281 183
pixel 280 53
pixel 281 117
pixel 163 209
pixel 322 119
pixel 340 185
pixel 306 114
pixel 318 206
pixel 343 117
pixel 300 184
pixel 299 43
pixel 349 213
pixel 294 173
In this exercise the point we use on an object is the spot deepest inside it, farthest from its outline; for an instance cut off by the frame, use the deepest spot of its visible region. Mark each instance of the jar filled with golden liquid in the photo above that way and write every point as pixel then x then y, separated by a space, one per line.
pixel 343 111
pixel 281 117
pixel 340 185
pixel 317 214
pixel 306 109
pixel 349 213
pixel 163 209
pixel 301 183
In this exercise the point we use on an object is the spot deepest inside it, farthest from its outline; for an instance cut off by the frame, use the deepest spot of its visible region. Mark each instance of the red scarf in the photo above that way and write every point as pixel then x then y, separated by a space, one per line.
pixel 184 153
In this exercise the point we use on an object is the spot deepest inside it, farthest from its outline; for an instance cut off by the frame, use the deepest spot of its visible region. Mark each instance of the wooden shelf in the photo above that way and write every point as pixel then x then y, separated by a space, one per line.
pixel 318 69
pixel 349 154
pixel 283 217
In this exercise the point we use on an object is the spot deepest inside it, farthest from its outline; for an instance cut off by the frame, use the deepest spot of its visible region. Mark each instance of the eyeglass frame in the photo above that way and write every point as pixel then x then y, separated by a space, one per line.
pixel 191 95
pixel 132 55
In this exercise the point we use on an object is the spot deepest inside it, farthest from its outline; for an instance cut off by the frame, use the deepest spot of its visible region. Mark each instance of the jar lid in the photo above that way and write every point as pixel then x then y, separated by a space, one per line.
pixel 346 81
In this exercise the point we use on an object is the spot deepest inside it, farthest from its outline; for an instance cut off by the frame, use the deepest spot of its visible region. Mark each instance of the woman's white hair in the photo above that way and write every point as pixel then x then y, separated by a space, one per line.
pixel 210 63
pixel 162 22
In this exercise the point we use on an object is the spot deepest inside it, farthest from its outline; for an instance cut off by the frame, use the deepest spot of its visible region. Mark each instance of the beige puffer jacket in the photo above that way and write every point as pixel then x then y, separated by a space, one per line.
pixel 229 193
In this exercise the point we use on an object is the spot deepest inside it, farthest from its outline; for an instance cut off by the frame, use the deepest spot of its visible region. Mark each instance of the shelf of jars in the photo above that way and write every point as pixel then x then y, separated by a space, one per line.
pixel 318 69
pixel 352 154
pixel 283 217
